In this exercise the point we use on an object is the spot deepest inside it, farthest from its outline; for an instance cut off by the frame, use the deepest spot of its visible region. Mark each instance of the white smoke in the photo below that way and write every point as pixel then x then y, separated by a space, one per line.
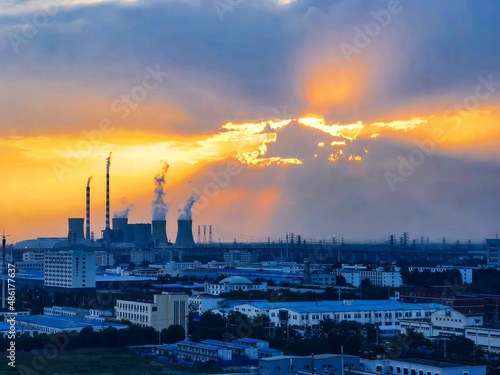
pixel 185 213
pixel 159 207
pixel 124 213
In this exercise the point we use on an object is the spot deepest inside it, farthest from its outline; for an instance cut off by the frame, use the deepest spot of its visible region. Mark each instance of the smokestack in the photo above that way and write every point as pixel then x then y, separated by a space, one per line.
pixel 75 228
pixel 87 233
pixel 184 233
pixel 108 163
pixel 159 234
pixel 307 271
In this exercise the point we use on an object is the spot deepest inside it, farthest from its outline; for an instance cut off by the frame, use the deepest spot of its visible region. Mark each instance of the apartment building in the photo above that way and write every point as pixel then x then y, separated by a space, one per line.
pixel 71 269
pixel 378 277
pixel 493 249
pixel 465 272
pixel 163 311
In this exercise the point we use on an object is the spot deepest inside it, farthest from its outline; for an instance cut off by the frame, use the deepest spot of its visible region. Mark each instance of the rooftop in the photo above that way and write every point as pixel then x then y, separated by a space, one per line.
pixel 434 363
pixel 198 345
pixel 62 322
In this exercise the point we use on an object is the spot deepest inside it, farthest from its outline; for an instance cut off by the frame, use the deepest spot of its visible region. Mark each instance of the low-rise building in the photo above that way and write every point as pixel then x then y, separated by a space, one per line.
pixel 485 338
pixel 441 323
pixel 53 324
pixel 233 283
pixel 196 352
pixel 238 351
pixel 419 366
pixel 323 364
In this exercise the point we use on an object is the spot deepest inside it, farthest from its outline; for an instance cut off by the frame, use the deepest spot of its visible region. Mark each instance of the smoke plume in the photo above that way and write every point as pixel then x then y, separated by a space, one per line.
pixel 108 162
pixel 159 207
pixel 88 181
pixel 185 213
pixel 124 213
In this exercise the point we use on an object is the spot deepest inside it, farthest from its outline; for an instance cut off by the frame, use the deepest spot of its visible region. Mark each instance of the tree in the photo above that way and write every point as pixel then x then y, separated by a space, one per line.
pixel 173 334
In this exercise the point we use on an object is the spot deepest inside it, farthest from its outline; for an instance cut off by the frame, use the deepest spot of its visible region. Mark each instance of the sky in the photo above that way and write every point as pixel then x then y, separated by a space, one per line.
pixel 354 119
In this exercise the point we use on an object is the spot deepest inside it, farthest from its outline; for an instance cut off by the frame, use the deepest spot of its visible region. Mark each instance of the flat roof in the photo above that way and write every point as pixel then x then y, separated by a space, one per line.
pixel 225 344
pixel 248 339
pixel 63 321
pixel 269 350
pixel 435 363
pixel 199 345
pixel 357 305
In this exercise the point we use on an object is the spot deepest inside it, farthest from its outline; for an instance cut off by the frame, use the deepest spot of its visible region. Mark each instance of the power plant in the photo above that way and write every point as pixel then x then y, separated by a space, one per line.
pixel 125 234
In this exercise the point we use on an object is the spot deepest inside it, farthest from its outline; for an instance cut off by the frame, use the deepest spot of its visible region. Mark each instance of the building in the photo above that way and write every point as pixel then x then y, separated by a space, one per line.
pixel 238 351
pixel 419 366
pixel 238 256
pixel 385 313
pixel 485 338
pixel 323 364
pixel 465 272
pixel 103 258
pixel 163 311
pixel 441 323
pixel 493 248
pixel 139 256
pixel 196 352
pixel 31 256
pixel 233 283
pixel 323 279
pixel 93 314
pixel 354 275
pixel 452 296
pixel 204 302
pixel 54 324
pixel 72 269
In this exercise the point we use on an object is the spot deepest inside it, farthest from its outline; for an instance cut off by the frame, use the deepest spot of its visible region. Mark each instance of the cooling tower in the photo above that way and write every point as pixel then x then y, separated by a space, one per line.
pixel 184 233
pixel 120 223
pixel 75 228
pixel 159 234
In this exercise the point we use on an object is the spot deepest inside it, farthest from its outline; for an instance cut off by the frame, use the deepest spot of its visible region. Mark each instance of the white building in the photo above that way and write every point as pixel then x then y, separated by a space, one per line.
pixel 233 283
pixel 465 272
pixel 419 366
pixel 69 269
pixel 441 323
pixel 202 303
pixel 378 277
pixel 386 314
pixel 31 256
pixel 165 310
pixel 487 339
